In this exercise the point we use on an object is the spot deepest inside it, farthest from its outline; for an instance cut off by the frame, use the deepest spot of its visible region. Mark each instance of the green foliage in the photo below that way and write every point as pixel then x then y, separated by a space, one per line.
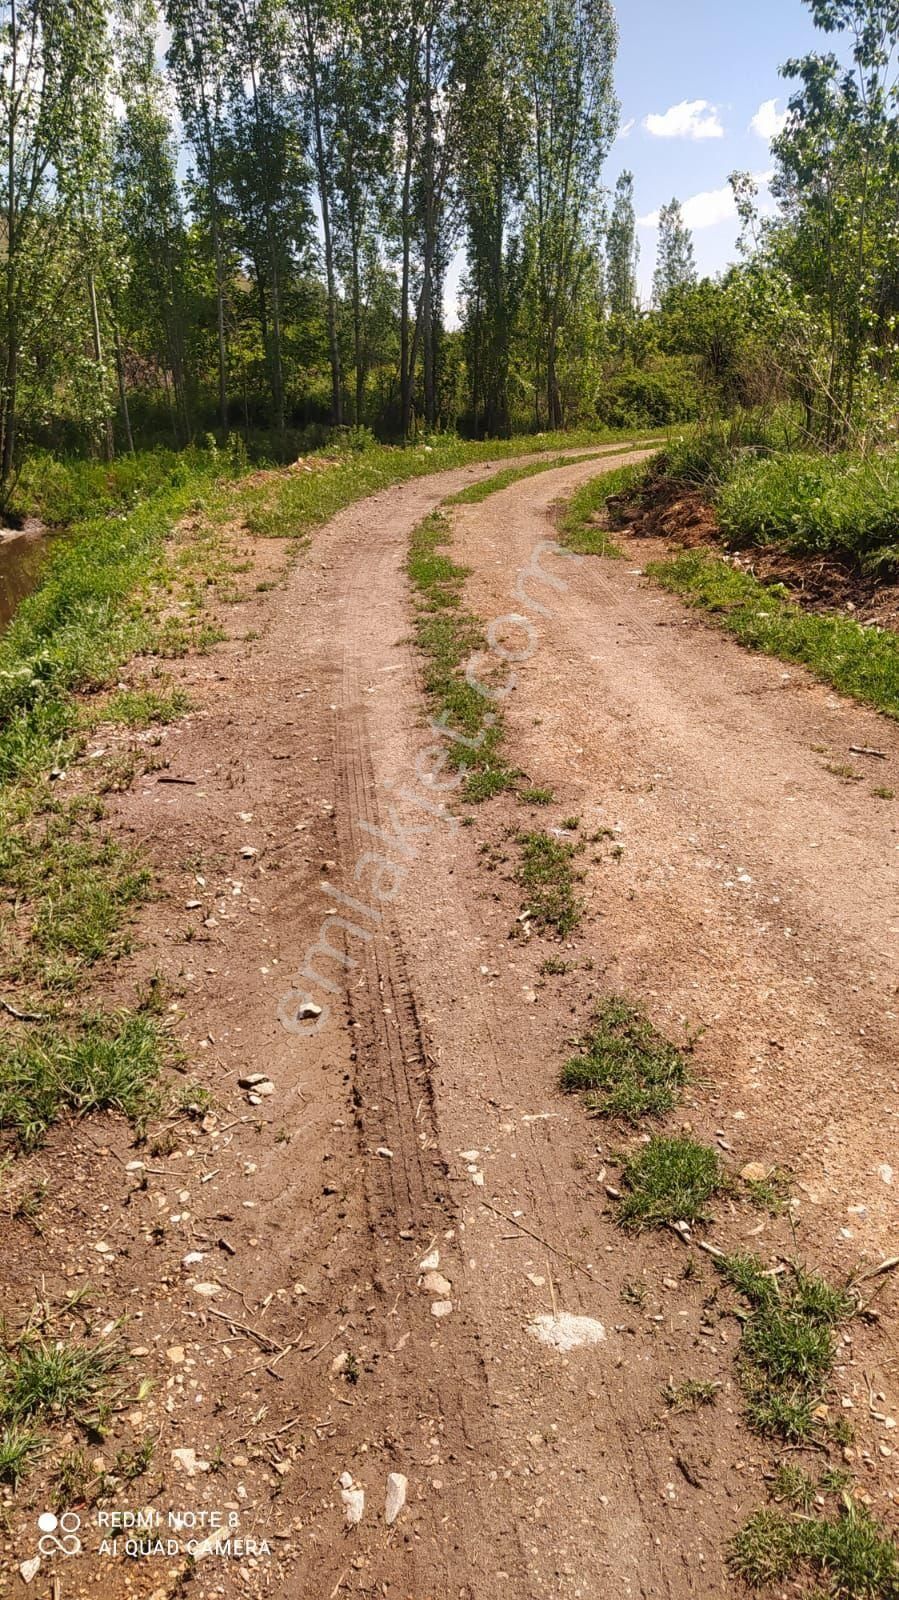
pixel 861 662
pixel 629 1070
pixel 109 1063
pixel 669 1180
pixel 847 506
pixel 851 1554
pixel 787 1350
pixel 546 870
pixel 652 397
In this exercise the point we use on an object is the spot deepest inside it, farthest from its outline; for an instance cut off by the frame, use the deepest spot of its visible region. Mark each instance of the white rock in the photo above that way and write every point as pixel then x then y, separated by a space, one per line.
pixel 188 1460
pixel 353 1498
pixel 207 1290
pixel 565 1331
pixel 885 1172
pixel 441 1308
pixel 430 1263
pixel 308 1009
pixel 436 1284
pixel 30 1569
pixel 397 1485
pixel 193 1258
pixel 251 1079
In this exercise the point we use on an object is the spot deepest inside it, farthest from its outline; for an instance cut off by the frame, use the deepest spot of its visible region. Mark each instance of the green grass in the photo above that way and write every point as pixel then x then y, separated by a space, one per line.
pixel 66 892
pixel 140 708
pixel 846 505
pixel 788 1349
pixel 108 1063
pixel 669 1180
pixel 579 528
pixel 546 872
pixel 851 1555
pixel 534 795
pixel 860 662
pixel 42 1380
pixel 689 1395
pixel 447 634
pixel 627 1070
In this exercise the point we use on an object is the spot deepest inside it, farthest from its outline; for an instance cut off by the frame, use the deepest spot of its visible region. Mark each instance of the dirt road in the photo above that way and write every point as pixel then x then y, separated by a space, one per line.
pixel 745 890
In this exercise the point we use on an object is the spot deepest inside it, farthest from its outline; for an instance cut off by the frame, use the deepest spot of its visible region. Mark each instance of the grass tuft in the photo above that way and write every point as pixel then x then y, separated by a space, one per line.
pixel 670 1180
pixel 851 1554
pixel 628 1070
pixel 111 1063
pixel 547 873
pixel 689 1395
pixel 787 1351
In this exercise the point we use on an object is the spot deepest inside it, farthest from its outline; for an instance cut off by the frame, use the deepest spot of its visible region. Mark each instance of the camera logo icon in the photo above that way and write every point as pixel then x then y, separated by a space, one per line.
pixel 59 1535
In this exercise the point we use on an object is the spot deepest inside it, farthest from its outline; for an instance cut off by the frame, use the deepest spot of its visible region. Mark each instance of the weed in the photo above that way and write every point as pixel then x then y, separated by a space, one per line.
pixel 787 1350
pixel 553 967
pixel 536 796
pixel 794 1486
pixel 628 1069
pixel 669 1180
pixel 139 708
pixel 131 1464
pixel 634 1294
pixel 547 874
pixel 842 769
pixel 111 1062
pixel 771 1193
pixel 19 1447
pixel 689 1395
pixel 851 1553
pixel 882 793
pixel 570 824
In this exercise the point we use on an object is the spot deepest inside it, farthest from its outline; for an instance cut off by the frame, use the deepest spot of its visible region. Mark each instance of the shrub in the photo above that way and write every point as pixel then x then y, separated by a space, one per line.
pixel 651 398
pixel 842 505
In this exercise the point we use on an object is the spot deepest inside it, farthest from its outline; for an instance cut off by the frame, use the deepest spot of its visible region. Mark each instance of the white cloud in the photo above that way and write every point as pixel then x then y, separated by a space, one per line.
pixel 691 119
pixel 712 206
pixel 626 128
pixel 768 122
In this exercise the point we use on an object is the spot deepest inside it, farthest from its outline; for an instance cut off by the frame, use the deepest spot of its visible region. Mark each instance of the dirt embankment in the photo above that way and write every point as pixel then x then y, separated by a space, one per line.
pixel 682 515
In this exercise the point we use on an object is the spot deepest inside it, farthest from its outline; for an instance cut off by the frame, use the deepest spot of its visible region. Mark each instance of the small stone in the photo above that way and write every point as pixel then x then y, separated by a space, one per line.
pixel 207 1290
pixel 250 1080
pixel 193 1258
pixel 353 1498
pixel 754 1172
pixel 188 1460
pixel 30 1569
pixel 397 1485
pixel 248 852
pixel 536 1280
pixel 431 1262
pixel 385 1151
pixel 175 1354
pixel 308 1009
pixel 441 1308
pixel 436 1284
pixel 885 1172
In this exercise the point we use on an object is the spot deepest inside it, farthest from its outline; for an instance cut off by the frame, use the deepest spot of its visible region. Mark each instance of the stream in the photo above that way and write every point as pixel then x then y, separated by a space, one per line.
pixel 21 558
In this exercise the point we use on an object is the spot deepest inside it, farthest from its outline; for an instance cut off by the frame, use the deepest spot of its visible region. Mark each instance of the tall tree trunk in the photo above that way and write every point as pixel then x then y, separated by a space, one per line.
pixel 108 430
pixel 220 321
pixel 123 388
pixel 324 196
pixel 407 355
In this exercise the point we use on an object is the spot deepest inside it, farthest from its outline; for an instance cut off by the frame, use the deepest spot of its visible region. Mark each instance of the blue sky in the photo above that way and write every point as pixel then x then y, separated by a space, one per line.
pixel 692 75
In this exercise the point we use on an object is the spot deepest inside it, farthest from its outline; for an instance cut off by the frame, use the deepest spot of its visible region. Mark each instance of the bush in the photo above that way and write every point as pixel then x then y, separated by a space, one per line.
pixel 709 455
pixel 638 398
pixel 843 505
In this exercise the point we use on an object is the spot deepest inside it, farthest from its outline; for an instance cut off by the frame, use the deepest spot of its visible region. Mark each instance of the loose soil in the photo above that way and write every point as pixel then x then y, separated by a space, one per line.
pixel 676 513
pixel 745 893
